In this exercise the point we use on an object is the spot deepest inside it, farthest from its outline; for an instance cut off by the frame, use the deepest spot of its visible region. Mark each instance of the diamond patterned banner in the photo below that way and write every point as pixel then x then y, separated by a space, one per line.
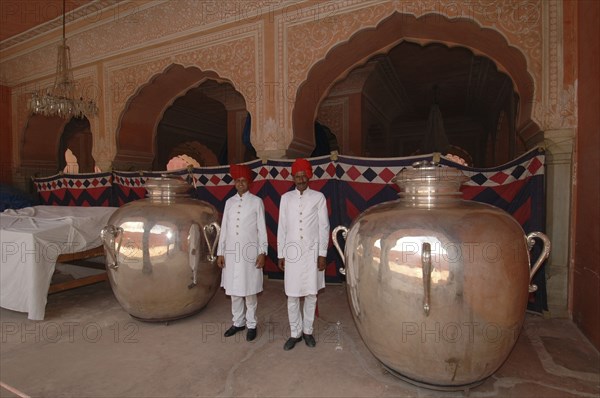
pixel 93 189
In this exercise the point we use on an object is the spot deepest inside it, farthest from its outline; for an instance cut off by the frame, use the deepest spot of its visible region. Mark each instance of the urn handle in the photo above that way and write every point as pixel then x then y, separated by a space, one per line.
pixel 334 236
pixel 543 256
pixel 193 252
pixel 213 226
pixel 112 236
pixel 426 263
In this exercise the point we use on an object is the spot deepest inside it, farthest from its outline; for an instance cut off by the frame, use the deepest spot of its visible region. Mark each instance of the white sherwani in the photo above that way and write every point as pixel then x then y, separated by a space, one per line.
pixel 302 236
pixel 243 237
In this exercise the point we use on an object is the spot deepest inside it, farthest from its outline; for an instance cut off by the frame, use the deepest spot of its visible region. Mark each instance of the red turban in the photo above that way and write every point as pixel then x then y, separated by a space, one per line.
pixel 302 165
pixel 240 171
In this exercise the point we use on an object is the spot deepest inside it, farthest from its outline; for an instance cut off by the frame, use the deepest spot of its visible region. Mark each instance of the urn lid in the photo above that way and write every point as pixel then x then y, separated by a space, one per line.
pixel 166 187
pixel 429 178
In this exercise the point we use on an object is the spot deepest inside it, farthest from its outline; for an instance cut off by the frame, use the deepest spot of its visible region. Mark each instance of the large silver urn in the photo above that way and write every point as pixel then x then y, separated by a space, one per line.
pixel 160 252
pixel 438 286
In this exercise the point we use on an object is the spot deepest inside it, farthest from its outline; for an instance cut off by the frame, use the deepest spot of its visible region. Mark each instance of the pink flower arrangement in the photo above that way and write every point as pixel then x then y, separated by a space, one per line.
pixel 182 162
pixel 456 159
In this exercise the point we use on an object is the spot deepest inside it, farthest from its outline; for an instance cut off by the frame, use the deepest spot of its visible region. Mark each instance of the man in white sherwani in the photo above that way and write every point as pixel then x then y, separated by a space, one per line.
pixel 242 251
pixel 302 239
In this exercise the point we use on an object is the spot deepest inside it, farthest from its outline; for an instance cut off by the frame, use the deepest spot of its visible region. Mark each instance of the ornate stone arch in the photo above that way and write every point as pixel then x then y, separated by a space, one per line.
pixel 143 111
pixel 363 45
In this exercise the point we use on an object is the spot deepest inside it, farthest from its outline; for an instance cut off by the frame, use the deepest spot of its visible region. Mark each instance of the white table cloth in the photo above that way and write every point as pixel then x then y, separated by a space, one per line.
pixel 32 238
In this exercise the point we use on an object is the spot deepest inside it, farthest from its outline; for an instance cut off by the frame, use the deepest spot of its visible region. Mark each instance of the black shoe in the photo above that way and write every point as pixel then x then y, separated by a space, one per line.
pixel 291 342
pixel 309 340
pixel 251 335
pixel 233 330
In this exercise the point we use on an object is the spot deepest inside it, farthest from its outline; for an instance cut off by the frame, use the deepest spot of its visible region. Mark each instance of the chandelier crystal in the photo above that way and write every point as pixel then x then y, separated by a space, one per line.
pixel 60 99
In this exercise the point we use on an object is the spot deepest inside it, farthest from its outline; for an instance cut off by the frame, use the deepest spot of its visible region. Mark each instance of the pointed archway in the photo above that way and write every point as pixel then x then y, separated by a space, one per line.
pixel 166 94
pixel 390 32
pixel 393 97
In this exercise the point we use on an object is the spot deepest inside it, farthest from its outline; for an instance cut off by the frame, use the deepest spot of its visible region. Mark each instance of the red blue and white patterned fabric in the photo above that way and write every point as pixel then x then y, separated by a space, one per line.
pixel 93 189
pixel 516 187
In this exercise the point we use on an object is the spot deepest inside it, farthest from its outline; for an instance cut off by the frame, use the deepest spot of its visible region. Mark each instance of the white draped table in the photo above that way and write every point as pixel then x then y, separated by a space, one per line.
pixel 32 239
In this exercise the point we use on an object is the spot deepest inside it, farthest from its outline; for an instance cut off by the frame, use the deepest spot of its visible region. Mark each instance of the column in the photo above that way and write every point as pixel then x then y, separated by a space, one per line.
pixel 559 155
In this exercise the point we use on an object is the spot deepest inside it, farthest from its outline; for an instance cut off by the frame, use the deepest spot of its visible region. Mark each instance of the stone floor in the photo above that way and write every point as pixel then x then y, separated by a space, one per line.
pixel 88 346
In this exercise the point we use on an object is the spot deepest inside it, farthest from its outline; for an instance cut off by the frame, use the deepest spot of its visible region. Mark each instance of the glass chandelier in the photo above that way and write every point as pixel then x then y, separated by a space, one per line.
pixel 60 99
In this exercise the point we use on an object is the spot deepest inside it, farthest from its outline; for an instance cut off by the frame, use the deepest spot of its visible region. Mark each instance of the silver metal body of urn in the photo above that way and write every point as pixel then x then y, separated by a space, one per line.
pixel 160 252
pixel 438 286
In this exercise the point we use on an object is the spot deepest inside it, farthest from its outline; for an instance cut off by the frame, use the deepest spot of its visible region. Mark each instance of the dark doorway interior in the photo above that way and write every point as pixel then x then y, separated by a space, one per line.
pixel 77 136
pixel 395 94
pixel 203 124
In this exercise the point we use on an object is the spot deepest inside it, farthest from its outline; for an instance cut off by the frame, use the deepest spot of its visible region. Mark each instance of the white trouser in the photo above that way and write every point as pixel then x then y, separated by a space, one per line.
pixel 297 324
pixel 237 309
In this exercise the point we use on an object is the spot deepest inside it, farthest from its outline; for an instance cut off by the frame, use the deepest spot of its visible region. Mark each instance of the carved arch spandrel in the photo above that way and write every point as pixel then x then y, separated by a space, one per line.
pixel 236 57
pixel 390 32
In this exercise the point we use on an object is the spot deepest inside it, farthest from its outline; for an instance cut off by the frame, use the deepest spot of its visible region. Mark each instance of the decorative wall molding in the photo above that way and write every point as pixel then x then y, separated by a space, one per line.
pixel 300 34
pixel 236 55
pixel 305 37
pixel 557 108
pixel 131 26
pixel 269 135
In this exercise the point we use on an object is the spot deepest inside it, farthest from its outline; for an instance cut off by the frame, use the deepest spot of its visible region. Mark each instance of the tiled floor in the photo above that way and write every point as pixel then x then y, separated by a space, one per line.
pixel 89 347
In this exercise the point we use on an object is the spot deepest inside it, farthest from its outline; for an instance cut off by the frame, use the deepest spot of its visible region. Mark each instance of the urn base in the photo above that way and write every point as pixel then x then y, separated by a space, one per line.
pixel 463 387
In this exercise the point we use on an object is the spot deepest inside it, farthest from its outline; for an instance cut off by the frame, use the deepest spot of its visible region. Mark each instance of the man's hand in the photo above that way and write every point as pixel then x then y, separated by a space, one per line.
pixel 281 264
pixel 321 263
pixel 260 260
pixel 221 261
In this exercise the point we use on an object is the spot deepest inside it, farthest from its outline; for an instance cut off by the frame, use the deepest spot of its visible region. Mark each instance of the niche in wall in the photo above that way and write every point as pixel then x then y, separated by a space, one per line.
pixel 77 137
